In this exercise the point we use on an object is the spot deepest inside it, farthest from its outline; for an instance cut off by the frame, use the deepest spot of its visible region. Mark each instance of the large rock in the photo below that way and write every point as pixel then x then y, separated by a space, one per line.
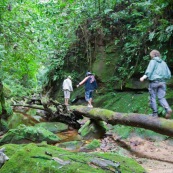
pixel 21 118
pixel 92 129
pixel 54 127
pixel 24 134
pixel 42 158
pixel 134 83
pixel 105 63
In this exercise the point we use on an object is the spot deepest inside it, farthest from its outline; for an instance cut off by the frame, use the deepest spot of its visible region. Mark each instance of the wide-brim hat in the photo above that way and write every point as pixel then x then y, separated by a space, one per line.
pixel 69 77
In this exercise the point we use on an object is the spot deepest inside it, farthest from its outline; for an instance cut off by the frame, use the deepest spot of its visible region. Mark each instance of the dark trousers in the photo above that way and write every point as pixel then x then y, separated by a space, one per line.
pixel 157 89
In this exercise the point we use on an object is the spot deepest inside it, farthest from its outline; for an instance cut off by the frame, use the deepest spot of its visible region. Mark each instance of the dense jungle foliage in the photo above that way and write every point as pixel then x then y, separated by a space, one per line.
pixel 44 40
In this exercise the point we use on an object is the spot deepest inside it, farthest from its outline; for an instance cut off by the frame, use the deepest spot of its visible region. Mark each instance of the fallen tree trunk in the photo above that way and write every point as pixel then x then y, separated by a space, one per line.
pixel 55 111
pixel 159 125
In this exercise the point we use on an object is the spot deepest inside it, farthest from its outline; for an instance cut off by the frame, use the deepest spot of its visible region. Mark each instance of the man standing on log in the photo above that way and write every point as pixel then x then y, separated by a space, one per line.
pixel 90 86
pixel 157 73
pixel 67 88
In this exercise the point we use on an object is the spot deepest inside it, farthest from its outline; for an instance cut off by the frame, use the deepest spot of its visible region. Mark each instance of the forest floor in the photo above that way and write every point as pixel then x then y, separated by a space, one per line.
pixel 154 156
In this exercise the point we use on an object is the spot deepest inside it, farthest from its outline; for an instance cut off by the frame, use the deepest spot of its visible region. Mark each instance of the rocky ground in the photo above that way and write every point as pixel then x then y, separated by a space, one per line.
pixel 155 157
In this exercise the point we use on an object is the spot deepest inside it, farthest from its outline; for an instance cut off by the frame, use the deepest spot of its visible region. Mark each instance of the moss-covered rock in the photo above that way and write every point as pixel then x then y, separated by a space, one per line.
pixel 137 102
pixel 54 127
pixel 104 65
pixel 134 101
pixel 47 158
pixel 71 145
pixel 21 118
pixel 3 125
pixel 94 144
pixel 24 134
pixel 92 129
pixel 134 83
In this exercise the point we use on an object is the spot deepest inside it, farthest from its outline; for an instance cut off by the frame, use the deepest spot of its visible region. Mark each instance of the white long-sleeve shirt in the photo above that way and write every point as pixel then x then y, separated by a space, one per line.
pixel 67 85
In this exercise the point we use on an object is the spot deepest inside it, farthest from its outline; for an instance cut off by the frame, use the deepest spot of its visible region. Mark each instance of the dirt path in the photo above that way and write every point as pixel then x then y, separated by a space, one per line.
pixel 154 166
pixel 154 156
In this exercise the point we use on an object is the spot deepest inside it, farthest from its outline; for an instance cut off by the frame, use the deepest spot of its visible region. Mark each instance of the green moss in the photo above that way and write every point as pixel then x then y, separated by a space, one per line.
pixel 104 58
pixel 92 129
pixel 124 102
pixel 80 92
pixel 33 158
pixel 28 134
pixel 31 112
pixel 126 131
pixel 54 127
pixel 93 144
pixel 166 124
pixel 72 145
pixel 4 125
pixel 107 113
pixel 7 91
pixel 16 119
pixel 84 130
pixel 127 102
pixel 123 131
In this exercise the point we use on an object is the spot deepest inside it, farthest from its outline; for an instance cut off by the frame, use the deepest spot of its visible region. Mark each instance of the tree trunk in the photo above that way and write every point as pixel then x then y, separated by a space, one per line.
pixel 3 114
pixel 2 101
pixel 159 125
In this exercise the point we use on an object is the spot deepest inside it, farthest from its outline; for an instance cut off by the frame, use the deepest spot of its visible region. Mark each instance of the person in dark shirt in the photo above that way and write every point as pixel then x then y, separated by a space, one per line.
pixel 90 86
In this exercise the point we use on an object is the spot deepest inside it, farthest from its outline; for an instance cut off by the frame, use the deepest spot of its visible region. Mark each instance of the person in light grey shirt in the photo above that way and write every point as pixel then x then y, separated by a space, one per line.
pixel 157 73
pixel 67 88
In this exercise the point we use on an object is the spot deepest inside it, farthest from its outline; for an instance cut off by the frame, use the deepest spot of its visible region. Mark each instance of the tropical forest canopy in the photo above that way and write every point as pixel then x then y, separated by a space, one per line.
pixel 41 41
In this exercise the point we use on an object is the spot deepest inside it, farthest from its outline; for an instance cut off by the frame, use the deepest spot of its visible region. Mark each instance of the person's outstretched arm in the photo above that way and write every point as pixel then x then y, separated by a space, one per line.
pixel 83 81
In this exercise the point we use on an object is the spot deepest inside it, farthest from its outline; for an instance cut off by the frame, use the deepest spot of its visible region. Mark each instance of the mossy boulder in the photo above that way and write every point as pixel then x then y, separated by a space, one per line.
pixel 128 102
pixel 137 102
pixel 54 127
pixel 42 158
pixel 26 134
pixel 105 63
pixel 91 146
pixel 3 125
pixel 134 83
pixel 21 118
pixel 92 130
pixel 71 145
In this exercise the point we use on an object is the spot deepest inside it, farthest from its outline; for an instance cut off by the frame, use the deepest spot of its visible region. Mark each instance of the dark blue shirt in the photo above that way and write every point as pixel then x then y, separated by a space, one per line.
pixel 90 84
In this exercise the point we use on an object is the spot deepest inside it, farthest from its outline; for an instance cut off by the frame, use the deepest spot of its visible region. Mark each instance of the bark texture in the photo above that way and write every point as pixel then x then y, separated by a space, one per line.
pixel 159 125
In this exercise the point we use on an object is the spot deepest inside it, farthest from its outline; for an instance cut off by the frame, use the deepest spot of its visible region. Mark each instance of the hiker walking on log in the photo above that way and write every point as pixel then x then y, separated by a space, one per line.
pixel 67 88
pixel 90 86
pixel 157 73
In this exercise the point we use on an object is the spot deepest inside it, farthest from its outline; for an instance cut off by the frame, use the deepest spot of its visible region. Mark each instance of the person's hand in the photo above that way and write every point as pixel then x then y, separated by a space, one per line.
pixel 141 79
pixel 77 85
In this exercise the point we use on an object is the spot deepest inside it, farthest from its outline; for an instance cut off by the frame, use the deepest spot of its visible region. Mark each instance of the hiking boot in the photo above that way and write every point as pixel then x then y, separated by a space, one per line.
pixel 168 114
pixel 154 115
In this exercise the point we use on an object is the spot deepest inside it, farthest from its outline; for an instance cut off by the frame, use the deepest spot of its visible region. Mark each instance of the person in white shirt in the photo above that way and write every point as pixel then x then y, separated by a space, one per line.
pixel 67 88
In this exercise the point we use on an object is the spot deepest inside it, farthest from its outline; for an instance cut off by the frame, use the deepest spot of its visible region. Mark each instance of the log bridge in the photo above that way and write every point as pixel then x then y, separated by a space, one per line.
pixel 159 125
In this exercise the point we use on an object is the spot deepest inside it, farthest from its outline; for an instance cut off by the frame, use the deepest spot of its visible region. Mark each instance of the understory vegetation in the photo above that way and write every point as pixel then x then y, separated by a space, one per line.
pixel 42 41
